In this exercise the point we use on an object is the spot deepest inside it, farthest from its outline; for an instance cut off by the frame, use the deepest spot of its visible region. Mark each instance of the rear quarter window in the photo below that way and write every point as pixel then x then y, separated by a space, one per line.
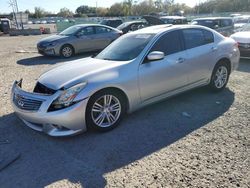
pixel 100 30
pixel 208 37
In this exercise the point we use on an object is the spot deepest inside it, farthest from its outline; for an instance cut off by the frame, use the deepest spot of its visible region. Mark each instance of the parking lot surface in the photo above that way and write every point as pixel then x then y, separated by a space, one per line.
pixel 196 139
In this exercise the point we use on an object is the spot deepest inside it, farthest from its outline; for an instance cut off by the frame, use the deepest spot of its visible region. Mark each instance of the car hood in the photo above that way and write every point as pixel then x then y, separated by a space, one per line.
pixel 241 37
pixel 152 20
pixel 76 71
pixel 53 38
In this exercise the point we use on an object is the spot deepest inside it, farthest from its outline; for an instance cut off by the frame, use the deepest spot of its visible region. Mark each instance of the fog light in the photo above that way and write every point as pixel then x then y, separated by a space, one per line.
pixel 50 52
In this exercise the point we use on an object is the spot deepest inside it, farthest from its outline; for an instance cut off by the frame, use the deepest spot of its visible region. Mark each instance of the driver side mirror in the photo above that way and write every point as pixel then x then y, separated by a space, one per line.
pixel 155 55
pixel 78 35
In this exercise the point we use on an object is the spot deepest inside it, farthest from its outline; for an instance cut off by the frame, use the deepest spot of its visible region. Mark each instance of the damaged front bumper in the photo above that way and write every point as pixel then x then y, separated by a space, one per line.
pixel 32 109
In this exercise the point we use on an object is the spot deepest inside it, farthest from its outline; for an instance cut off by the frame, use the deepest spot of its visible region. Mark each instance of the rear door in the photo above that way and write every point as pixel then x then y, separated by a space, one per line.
pixel 201 54
pixel 162 76
pixel 104 36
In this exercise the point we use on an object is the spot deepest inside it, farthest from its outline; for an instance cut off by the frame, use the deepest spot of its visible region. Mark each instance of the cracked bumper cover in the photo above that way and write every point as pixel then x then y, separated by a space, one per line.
pixel 64 122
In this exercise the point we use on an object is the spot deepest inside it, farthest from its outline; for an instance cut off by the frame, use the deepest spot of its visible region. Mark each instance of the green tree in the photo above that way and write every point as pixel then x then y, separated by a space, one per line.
pixel 85 10
pixel 65 12
pixel 39 12
pixel 27 12
pixel 116 10
pixel 127 7
pixel 211 6
pixel 102 11
pixel 145 7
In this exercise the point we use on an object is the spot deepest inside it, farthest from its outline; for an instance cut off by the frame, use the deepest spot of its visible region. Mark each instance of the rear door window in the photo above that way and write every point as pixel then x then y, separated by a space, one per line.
pixel 169 43
pixel 197 37
pixel 226 23
pixel 100 30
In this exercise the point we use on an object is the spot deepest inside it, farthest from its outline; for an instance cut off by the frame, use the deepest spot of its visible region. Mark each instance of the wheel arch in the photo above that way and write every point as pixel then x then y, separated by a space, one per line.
pixel 225 60
pixel 68 44
pixel 116 90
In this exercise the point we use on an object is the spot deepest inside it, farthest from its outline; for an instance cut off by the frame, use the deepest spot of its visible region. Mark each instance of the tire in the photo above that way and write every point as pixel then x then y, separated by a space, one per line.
pixel 67 51
pixel 99 114
pixel 219 76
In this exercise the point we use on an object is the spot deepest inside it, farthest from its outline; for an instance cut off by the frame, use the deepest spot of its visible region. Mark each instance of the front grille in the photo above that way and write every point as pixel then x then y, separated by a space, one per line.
pixel 26 103
pixel 40 88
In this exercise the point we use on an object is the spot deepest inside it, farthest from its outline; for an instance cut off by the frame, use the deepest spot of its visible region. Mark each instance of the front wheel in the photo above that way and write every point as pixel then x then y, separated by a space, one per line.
pixel 67 51
pixel 219 77
pixel 104 111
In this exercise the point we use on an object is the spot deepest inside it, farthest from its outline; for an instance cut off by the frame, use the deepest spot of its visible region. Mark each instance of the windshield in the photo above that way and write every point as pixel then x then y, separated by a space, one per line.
pixel 167 20
pixel 70 31
pixel 122 26
pixel 126 47
pixel 242 21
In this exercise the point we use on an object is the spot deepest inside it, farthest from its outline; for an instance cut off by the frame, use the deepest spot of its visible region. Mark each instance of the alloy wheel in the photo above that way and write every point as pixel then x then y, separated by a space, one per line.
pixel 67 51
pixel 221 77
pixel 106 111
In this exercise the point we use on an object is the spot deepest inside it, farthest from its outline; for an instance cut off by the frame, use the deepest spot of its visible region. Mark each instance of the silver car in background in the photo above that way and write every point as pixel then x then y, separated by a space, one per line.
pixel 223 25
pixel 78 39
pixel 137 69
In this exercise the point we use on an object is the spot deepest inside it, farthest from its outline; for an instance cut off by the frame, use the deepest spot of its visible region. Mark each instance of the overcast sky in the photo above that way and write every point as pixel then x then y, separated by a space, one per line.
pixel 55 5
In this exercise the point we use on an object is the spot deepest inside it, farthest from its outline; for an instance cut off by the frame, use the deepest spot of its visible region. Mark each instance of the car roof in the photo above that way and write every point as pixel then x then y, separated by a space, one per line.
pixel 165 27
pixel 112 19
pixel 87 25
pixel 137 21
pixel 173 17
pixel 100 25
pixel 243 16
pixel 213 18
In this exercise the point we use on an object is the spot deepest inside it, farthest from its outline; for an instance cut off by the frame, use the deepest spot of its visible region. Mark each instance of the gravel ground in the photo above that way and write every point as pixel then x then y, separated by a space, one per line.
pixel 158 146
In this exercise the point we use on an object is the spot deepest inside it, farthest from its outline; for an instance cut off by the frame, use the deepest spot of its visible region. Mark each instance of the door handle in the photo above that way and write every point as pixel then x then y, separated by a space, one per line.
pixel 180 60
pixel 214 49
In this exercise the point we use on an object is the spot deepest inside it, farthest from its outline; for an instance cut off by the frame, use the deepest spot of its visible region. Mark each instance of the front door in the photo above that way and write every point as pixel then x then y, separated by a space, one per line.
pixel 85 39
pixel 159 77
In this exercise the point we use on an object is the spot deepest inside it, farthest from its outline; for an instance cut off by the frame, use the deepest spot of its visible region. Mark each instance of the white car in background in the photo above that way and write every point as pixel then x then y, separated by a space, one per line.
pixel 243 39
pixel 241 21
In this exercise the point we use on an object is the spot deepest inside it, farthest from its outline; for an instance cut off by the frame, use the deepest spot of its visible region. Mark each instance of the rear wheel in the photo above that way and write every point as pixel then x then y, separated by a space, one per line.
pixel 67 51
pixel 220 76
pixel 105 111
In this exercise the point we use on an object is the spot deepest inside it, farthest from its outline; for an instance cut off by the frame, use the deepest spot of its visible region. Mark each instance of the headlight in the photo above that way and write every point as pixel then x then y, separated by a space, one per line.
pixel 50 44
pixel 67 97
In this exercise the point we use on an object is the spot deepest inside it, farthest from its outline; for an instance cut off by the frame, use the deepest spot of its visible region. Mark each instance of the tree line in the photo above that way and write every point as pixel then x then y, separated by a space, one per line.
pixel 133 8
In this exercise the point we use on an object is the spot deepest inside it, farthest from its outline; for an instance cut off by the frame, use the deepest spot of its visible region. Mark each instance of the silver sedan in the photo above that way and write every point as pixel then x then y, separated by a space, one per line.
pixel 137 69
pixel 78 39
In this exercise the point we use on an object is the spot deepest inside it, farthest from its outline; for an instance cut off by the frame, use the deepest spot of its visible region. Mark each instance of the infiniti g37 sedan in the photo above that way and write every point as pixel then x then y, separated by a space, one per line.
pixel 78 39
pixel 137 69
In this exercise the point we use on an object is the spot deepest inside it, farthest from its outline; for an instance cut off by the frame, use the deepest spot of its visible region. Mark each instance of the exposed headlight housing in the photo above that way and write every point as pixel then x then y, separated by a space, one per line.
pixel 67 96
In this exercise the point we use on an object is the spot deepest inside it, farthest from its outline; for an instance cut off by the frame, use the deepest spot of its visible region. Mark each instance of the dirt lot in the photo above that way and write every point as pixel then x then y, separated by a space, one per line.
pixel 155 147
